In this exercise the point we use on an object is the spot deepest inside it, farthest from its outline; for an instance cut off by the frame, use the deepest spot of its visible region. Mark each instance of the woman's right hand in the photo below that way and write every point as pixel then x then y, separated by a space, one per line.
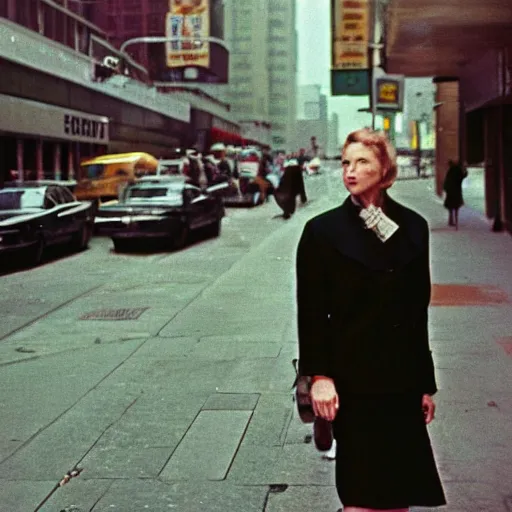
pixel 324 398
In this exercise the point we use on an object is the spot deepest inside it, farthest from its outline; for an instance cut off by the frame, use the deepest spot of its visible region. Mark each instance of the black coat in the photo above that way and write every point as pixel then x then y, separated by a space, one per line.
pixel 363 304
pixel 453 187
pixel 291 185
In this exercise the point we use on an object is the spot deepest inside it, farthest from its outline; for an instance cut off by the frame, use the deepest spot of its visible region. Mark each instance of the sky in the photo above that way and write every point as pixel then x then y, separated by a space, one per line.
pixel 314 34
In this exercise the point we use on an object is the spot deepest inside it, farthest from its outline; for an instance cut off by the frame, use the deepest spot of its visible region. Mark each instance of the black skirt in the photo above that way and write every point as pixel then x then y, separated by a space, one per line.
pixel 384 456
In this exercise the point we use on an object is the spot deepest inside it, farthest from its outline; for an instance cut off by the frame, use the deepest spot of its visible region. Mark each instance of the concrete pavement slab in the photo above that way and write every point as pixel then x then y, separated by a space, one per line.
pixel 297 464
pixel 231 402
pixel 259 375
pixel 318 498
pixel 23 496
pixel 195 496
pixel 166 348
pixel 130 462
pixel 64 442
pixel 79 495
pixel 212 439
pixel 43 389
pixel 224 349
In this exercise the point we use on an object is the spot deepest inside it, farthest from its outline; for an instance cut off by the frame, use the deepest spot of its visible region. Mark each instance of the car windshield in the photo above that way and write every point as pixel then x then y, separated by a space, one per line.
pixel 171 195
pixel 20 199
pixel 94 171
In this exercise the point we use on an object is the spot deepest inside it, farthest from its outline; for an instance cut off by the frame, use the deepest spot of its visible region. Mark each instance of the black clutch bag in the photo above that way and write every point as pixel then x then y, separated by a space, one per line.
pixel 302 396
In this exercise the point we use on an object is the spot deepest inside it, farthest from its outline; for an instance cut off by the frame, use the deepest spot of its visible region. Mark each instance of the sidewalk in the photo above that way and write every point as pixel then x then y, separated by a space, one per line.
pixel 192 410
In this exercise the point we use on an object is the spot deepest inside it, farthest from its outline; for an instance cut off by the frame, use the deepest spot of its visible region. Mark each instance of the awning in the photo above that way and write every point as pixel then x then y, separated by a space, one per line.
pixel 438 37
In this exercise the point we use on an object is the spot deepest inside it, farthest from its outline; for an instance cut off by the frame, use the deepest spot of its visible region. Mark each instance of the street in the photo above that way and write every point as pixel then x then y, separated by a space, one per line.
pixel 167 376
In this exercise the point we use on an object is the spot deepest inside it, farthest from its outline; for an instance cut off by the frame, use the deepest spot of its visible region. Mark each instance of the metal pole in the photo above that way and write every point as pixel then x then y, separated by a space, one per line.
pixel 163 39
pixel 375 48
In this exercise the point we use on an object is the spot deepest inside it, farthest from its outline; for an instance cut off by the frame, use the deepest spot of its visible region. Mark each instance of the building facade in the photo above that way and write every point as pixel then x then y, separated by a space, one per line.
pixel 471 63
pixel 313 120
pixel 211 119
pixel 61 103
pixel 246 30
pixel 263 68
pixel 282 63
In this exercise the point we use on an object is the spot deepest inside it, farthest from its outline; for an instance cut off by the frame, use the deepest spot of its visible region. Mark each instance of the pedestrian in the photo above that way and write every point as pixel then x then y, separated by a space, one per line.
pixel 453 188
pixel 363 291
pixel 291 185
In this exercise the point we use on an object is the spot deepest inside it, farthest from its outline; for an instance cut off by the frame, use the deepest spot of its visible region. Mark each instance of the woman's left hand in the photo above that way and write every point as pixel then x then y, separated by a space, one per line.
pixel 429 408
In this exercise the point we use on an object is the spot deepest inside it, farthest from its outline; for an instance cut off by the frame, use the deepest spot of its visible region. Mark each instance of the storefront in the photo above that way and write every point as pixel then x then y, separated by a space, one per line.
pixel 41 141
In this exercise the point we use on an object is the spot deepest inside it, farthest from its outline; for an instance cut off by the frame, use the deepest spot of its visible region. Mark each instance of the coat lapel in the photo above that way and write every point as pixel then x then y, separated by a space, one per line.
pixel 344 230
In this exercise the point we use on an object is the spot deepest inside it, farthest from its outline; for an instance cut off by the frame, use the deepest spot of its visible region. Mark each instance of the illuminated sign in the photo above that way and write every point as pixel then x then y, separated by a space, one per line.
pixel 188 19
pixel 388 92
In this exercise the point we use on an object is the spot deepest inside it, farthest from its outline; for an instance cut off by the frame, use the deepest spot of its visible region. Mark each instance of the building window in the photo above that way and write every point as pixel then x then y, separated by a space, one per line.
pixel 276 24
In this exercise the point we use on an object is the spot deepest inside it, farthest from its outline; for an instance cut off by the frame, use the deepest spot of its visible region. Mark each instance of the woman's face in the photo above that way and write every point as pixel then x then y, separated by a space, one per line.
pixel 362 171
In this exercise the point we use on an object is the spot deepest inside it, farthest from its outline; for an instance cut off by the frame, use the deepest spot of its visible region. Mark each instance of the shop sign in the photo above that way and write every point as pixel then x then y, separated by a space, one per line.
pixel 350 83
pixel 188 18
pixel 350 34
pixel 27 117
pixel 389 92
pixel 79 126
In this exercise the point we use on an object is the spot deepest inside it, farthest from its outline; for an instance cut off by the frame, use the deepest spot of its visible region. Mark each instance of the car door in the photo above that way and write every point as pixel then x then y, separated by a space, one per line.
pixel 196 206
pixel 72 214
pixel 50 222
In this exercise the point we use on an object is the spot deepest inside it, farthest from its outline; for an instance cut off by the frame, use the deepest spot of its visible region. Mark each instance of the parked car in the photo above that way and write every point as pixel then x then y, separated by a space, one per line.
pixel 35 215
pixel 167 209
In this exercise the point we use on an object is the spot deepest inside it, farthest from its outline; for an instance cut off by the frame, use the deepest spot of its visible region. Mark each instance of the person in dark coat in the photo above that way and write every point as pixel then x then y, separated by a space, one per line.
pixel 363 292
pixel 453 188
pixel 291 185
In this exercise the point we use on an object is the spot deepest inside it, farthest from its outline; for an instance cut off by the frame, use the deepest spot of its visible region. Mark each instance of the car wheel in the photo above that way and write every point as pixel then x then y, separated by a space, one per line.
pixel 215 228
pixel 83 237
pixel 120 245
pixel 36 257
pixel 182 237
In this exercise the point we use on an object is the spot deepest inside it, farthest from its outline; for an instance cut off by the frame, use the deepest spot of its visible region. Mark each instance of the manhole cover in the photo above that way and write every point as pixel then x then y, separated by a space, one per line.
pixel 467 295
pixel 114 314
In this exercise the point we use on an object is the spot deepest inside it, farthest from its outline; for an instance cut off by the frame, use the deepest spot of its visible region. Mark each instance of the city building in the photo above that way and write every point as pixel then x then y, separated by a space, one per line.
pixel 282 63
pixel 417 116
pixel 211 117
pixel 263 65
pixel 470 62
pixel 333 138
pixel 71 94
pixel 312 121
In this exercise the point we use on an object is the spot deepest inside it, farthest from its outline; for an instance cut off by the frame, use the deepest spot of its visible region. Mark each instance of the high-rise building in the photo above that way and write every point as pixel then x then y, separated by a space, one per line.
pixel 263 70
pixel 247 32
pixel 313 121
pixel 333 138
pixel 282 62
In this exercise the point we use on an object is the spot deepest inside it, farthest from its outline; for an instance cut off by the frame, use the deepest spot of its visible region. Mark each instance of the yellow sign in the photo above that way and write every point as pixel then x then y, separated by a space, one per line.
pixel 351 34
pixel 388 92
pixel 188 19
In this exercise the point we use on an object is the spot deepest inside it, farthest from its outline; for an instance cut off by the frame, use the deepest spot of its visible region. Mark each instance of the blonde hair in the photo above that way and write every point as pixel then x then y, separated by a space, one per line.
pixel 384 151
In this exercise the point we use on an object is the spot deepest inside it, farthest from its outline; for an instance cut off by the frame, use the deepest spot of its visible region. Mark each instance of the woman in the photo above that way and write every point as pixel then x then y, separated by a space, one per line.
pixel 363 290
pixel 453 187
